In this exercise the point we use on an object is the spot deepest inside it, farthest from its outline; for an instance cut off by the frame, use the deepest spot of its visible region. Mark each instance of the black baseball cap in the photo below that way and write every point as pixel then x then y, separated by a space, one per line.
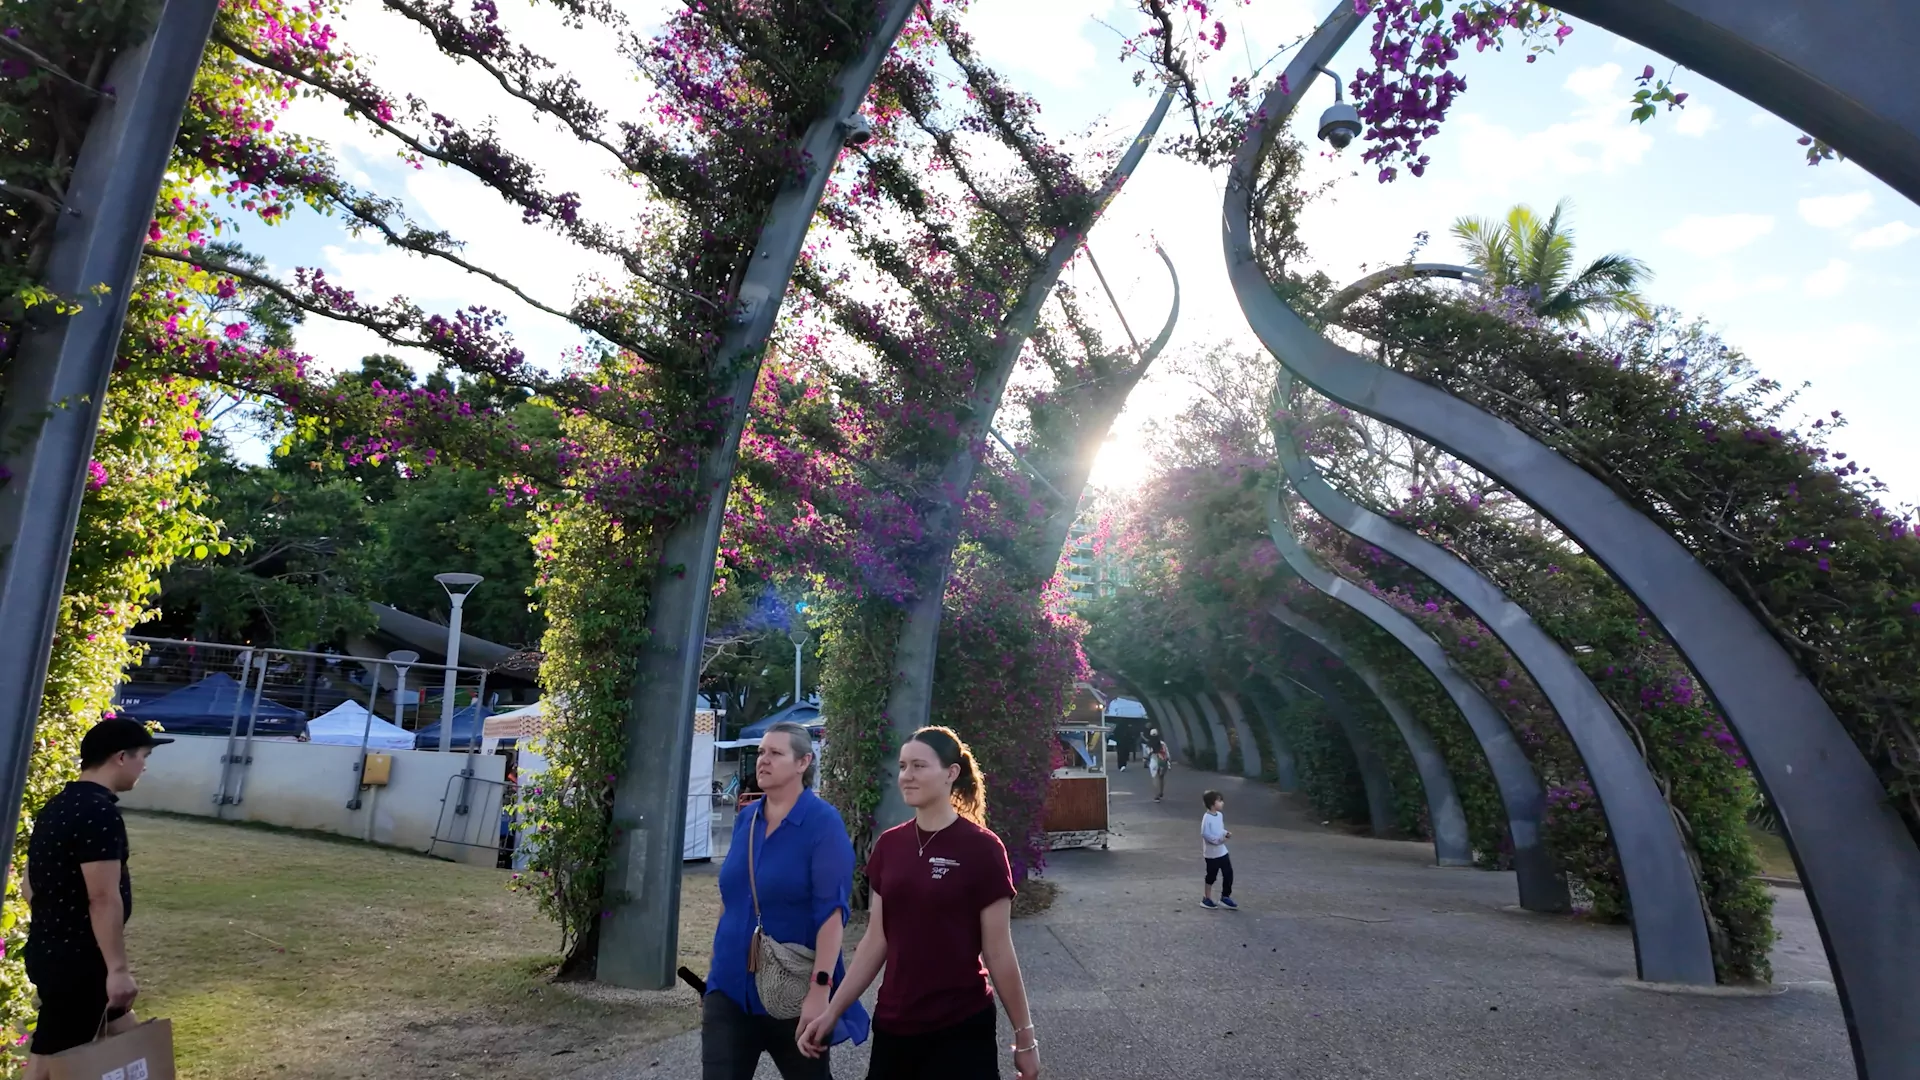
pixel 115 734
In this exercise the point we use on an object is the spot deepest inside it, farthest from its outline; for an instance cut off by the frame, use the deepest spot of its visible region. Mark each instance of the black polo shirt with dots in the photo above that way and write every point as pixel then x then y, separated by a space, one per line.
pixel 79 825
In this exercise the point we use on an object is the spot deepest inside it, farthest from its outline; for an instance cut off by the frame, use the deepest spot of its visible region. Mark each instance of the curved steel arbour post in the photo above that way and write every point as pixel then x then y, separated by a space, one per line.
pixel 1669 923
pixel 639 943
pixel 1807 62
pixel 1858 861
pixel 1542 886
pixel 57 382
pixel 1200 737
pixel 1252 762
pixel 1072 481
pixel 1222 738
pixel 1285 769
pixel 1164 719
pixel 910 698
pixel 1451 846
pixel 1374 777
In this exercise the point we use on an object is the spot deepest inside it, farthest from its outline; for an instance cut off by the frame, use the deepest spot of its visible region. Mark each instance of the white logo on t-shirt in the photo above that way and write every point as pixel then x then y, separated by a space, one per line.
pixel 941 866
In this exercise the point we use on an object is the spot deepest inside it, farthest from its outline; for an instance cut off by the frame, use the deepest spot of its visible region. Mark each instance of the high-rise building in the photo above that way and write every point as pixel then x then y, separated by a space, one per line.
pixel 1091 569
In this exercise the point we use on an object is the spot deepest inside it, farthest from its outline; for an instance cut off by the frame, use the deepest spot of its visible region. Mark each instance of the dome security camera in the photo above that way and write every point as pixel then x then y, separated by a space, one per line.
pixel 859 130
pixel 1339 125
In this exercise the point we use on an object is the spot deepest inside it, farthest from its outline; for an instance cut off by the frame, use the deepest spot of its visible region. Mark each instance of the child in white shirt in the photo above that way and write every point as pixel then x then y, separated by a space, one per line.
pixel 1213 843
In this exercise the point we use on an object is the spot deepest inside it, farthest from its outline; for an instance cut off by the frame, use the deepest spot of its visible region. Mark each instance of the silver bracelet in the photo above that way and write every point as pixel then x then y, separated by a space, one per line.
pixel 1034 1045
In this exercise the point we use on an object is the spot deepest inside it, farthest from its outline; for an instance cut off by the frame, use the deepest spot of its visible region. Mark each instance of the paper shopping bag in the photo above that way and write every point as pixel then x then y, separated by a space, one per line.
pixel 144 1052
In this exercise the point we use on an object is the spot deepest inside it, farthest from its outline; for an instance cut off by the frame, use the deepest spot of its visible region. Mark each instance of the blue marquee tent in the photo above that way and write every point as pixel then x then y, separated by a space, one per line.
pixel 467 727
pixel 208 707
pixel 803 714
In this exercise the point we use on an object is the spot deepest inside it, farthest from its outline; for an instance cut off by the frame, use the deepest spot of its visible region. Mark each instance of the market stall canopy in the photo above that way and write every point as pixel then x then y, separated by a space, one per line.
pixel 514 724
pixel 344 723
pixel 209 706
pixel 467 725
pixel 802 714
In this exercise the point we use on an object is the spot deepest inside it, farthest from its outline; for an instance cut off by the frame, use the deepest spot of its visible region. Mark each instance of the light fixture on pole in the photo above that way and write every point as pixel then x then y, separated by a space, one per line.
pixel 799 639
pixel 401 659
pixel 457 586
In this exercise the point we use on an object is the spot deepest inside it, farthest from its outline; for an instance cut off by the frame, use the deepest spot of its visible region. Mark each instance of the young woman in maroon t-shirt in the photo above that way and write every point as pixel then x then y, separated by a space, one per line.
pixel 942 898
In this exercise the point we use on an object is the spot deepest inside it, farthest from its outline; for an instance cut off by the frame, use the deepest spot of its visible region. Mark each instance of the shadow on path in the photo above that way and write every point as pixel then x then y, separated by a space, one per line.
pixel 1353 957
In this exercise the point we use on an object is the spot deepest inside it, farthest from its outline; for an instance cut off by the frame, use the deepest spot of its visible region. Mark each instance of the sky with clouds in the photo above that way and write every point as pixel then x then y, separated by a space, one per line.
pixel 1810 270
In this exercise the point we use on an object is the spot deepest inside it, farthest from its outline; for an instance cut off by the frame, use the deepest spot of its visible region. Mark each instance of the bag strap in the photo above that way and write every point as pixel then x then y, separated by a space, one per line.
pixel 753 877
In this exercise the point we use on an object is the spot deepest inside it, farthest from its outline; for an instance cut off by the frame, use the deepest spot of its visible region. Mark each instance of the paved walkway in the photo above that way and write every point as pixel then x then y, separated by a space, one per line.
pixel 1353 957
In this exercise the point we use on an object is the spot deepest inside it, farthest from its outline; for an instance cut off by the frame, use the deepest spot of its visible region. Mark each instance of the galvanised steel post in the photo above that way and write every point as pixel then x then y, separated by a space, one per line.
pixel 58 380
pixel 1542 886
pixel 1841 70
pixel 1451 844
pixel 639 943
pixel 1669 919
pixel 1860 865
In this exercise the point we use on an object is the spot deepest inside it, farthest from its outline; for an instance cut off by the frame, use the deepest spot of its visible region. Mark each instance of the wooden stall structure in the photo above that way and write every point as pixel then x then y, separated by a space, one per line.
pixel 1076 812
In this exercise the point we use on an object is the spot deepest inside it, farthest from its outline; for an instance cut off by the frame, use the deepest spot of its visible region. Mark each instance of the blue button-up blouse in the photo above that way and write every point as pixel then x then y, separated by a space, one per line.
pixel 806 875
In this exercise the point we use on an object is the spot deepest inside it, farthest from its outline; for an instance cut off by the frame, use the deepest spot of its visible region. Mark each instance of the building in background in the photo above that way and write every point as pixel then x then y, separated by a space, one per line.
pixel 1092 568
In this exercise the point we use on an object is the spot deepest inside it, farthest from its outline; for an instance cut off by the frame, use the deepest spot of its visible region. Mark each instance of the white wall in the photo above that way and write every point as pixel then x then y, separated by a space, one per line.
pixel 308 785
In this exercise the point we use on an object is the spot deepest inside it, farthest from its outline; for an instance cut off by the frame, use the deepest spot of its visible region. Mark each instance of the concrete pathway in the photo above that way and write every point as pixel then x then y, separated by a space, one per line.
pixel 1353 957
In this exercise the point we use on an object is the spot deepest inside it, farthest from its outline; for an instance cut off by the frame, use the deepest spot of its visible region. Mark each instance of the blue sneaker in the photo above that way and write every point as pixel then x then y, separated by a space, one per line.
pixel 1228 901
pixel 1207 902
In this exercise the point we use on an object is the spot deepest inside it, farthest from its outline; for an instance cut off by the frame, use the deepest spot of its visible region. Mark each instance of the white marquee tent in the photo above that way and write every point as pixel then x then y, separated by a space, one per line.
pixel 344 724
pixel 520 723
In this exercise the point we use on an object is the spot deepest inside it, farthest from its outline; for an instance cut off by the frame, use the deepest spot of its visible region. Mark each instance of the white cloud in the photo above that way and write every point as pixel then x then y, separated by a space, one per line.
pixel 1820 352
pixel 1591 142
pixel 1708 235
pixel 1045 39
pixel 1833 211
pixel 1594 84
pixel 1728 287
pixel 1892 234
pixel 1694 120
pixel 1829 280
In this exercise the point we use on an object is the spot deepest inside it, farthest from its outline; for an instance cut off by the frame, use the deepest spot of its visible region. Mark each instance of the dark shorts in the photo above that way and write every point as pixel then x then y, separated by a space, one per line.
pixel 969 1050
pixel 72 1009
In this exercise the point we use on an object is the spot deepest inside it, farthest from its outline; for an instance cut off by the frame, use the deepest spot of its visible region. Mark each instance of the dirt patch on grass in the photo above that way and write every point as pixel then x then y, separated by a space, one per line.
pixel 1036 895
pixel 285 955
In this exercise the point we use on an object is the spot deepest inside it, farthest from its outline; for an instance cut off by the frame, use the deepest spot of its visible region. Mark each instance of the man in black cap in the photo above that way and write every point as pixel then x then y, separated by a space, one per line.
pixel 81 895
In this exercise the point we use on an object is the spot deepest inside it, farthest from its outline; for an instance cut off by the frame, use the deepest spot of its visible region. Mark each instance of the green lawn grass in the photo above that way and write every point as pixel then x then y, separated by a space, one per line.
pixel 1774 860
pixel 278 954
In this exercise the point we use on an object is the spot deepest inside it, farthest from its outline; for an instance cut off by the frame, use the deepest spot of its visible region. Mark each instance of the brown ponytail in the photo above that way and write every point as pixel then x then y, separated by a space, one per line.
pixel 969 788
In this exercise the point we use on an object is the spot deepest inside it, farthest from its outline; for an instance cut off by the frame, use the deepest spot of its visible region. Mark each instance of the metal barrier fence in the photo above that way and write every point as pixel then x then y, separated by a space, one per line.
pixel 247 694
pixel 472 816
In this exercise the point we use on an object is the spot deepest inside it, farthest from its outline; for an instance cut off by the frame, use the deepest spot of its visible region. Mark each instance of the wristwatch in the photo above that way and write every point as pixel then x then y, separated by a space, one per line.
pixel 821 978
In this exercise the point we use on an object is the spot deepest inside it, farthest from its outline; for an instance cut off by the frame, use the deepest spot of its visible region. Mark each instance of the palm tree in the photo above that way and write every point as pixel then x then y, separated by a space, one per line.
pixel 1535 256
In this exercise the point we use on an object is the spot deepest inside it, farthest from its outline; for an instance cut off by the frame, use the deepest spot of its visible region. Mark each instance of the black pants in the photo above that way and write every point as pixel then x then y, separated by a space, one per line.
pixel 732 1040
pixel 969 1050
pixel 73 1002
pixel 1221 868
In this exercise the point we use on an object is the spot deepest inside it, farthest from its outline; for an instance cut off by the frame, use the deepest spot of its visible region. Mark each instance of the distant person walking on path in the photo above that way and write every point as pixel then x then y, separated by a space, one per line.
pixel 81 895
pixel 1213 844
pixel 939 926
pixel 785 889
pixel 1157 762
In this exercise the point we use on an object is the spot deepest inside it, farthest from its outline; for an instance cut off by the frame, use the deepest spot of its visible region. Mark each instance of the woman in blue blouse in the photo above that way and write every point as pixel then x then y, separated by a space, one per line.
pixel 803 861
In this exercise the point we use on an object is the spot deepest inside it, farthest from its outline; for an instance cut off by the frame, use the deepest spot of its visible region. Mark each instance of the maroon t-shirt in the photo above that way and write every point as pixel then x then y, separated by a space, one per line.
pixel 931 905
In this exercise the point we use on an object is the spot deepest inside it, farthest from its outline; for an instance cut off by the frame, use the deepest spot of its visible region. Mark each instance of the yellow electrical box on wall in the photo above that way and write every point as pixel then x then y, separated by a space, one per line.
pixel 377 769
